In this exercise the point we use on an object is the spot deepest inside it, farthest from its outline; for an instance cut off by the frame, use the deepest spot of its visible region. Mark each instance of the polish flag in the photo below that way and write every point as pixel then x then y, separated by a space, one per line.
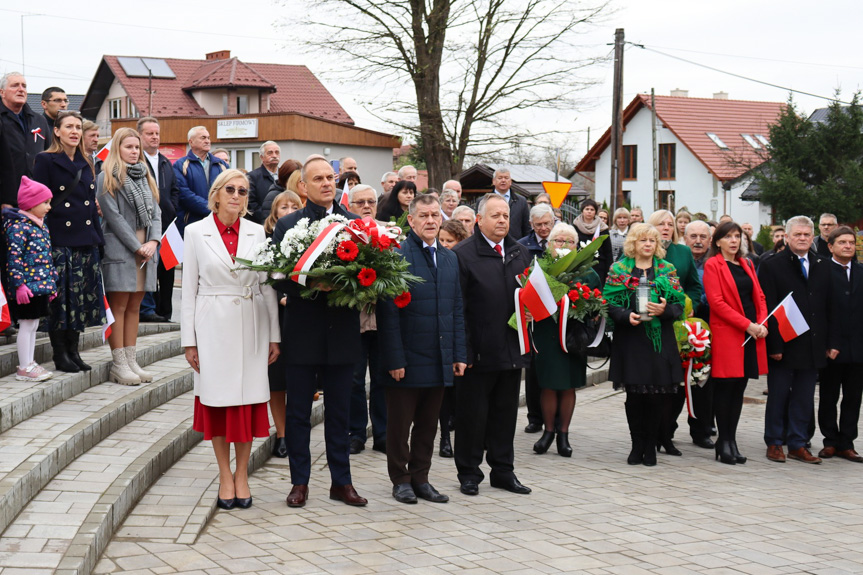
pixel 791 321
pixel 345 201
pixel 537 296
pixel 171 249
pixel 103 153
pixel 109 317
pixel 5 318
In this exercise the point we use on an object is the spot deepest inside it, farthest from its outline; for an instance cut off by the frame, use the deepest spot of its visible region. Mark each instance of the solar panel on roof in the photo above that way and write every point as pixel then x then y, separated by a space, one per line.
pixel 133 66
pixel 159 67
pixel 141 67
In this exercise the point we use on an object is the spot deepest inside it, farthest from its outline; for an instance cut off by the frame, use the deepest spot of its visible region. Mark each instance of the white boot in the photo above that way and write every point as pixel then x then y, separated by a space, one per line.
pixel 132 362
pixel 120 372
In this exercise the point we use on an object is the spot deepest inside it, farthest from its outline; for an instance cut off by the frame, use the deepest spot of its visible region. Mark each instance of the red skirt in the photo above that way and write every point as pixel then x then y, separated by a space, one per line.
pixel 237 423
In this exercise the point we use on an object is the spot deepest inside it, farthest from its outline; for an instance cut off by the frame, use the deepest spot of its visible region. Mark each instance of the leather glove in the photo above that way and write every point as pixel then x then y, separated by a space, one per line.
pixel 23 295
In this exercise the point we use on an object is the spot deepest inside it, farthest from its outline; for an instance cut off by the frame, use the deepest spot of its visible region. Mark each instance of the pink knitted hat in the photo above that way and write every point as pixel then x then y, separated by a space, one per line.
pixel 32 193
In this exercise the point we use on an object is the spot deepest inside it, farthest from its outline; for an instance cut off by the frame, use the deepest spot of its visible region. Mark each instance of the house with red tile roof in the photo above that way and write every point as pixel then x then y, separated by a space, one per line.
pixel 704 149
pixel 241 104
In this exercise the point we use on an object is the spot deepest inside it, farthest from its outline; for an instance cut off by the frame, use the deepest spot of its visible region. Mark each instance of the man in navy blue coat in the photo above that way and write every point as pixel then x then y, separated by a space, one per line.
pixel 195 174
pixel 320 344
pixel 425 348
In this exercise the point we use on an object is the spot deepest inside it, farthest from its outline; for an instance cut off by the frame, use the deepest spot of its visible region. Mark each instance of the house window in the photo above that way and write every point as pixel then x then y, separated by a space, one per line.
pixel 225 105
pixel 133 110
pixel 667 162
pixel 630 162
pixel 666 200
pixel 115 108
pixel 242 104
pixel 716 140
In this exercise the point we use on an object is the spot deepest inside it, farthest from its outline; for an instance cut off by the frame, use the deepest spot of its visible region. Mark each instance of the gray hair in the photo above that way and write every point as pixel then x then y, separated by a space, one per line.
pixel 486 199
pixel 448 182
pixel 541 210
pixel 264 146
pixel 387 175
pixel 448 193
pixel 561 228
pixel 424 200
pixel 799 221
pixel 822 216
pixel 461 209
pixel 500 171
pixel 4 81
pixel 193 131
pixel 694 224
pixel 360 188
pixel 402 171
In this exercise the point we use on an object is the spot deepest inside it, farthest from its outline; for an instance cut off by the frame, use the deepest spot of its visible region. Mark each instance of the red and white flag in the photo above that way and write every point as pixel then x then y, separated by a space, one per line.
pixel 345 200
pixel 791 322
pixel 171 249
pixel 103 153
pixel 536 296
pixel 109 320
pixel 5 318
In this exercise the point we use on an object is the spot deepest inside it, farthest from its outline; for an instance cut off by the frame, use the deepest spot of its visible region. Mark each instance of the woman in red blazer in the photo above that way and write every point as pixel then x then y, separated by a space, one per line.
pixel 737 308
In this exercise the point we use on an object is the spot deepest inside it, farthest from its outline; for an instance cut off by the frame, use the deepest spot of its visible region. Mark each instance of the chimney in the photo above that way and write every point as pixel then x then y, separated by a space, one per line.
pixel 220 55
pixel 720 95
pixel 677 92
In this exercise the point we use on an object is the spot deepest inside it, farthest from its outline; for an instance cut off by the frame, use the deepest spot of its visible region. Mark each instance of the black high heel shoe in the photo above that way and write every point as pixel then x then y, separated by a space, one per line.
pixel 243 503
pixel 738 457
pixel 563 446
pixel 226 504
pixel 636 455
pixel 280 447
pixel 544 442
pixel 445 445
pixel 669 447
pixel 724 453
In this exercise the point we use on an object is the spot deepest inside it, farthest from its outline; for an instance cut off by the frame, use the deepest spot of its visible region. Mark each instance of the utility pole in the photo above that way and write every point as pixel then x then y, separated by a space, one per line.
pixel 616 191
pixel 150 91
pixel 654 150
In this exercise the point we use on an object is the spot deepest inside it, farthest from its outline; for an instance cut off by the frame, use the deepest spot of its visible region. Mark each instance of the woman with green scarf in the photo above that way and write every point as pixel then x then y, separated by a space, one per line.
pixel 644 358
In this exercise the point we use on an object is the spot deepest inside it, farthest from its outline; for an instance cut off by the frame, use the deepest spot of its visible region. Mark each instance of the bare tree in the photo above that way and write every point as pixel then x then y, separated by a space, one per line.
pixel 472 64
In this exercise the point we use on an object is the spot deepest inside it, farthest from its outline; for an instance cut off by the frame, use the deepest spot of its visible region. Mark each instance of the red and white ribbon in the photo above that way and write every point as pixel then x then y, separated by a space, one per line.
pixel 37 132
pixel 561 322
pixel 368 230
pixel 698 337
pixel 521 324
pixel 315 250
pixel 687 387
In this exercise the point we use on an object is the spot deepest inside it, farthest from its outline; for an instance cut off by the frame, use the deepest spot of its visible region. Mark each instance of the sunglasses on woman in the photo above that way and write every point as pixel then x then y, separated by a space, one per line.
pixel 233 189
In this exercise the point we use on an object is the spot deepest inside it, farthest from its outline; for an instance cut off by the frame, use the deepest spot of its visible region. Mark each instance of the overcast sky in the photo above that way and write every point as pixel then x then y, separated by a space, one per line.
pixel 808 46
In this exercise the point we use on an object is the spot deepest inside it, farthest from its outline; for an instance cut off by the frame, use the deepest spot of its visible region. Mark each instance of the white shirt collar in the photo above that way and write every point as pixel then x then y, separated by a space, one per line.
pixel 492 244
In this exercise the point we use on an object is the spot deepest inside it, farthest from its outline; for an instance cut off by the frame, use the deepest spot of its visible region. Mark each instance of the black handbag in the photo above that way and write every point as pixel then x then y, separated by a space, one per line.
pixel 580 334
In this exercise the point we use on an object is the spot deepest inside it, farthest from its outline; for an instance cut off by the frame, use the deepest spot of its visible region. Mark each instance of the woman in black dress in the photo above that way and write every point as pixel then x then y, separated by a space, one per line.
pixel 396 203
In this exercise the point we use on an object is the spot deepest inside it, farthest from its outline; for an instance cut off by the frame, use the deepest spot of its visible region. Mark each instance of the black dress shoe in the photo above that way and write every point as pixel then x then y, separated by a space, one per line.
pixel 243 502
pixel 404 493
pixel 669 447
pixel 445 445
pixel 380 446
pixel 150 318
pixel 512 485
pixel 280 447
pixel 533 428
pixel 563 446
pixel 469 487
pixel 226 504
pixel 429 493
pixel 544 442
pixel 704 442
pixel 357 445
pixel 738 457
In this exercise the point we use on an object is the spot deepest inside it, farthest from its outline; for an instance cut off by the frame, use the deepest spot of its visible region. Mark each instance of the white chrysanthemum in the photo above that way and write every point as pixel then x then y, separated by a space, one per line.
pixel 562 252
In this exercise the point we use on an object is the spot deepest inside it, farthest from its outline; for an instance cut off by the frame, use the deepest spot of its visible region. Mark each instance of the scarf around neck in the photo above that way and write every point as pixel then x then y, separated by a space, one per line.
pixel 621 285
pixel 134 189
pixel 590 228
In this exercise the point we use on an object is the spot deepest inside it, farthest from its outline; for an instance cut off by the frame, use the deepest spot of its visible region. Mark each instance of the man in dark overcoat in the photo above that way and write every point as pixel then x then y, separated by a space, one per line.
pixel 793 365
pixel 321 345
pixel 425 348
pixel 487 398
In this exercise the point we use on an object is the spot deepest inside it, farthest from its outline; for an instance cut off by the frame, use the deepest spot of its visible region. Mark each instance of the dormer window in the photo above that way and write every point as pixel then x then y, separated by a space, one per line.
pixel 716 140
pixel 751 141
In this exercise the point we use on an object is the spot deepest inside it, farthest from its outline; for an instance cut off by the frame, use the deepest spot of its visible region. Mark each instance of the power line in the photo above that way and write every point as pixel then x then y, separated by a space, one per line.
pixel 820 65
pixel 785 88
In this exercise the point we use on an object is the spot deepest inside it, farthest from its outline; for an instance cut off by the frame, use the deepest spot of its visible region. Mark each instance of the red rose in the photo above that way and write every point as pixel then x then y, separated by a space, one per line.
pixel 603 301
pixel 402 300
pixel 367 277
pixel 347 251
pixel 597 293
pixel 384 243
pixel 699 365
pixel 573 295
pixel 585 295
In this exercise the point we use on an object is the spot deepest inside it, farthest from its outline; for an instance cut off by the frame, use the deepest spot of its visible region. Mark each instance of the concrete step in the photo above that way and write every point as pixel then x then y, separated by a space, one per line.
pixel 36 450
pixel 21 400
pixel 90 339
pixel 68 524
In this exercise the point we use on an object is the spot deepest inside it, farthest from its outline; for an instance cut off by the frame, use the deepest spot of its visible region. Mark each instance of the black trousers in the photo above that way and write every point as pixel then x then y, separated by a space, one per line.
pixel 164 291
pixel 531 395
pixel 486 413
pixel 303 381
pixel 412 412
pixel 847 377
pixel 447 407
pixel 699 427
pixel 728 404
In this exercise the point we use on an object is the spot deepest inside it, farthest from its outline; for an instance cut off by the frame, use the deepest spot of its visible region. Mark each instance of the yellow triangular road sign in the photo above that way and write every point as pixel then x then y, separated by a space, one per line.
pixel 557 191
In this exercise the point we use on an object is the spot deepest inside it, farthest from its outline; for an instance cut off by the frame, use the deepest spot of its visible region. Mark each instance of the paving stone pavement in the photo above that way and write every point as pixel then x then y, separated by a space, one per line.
pixel 590 514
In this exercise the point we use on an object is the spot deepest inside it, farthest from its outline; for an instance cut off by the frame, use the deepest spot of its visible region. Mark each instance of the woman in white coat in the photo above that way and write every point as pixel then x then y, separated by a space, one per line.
pixel 230 331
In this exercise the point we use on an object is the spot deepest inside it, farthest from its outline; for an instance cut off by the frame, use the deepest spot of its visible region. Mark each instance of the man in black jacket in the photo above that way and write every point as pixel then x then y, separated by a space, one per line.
pixel 487 405
pixel 54 101
pixel 519 218
pixel 793 365
pixel 261 178
pixel 826 224
pixel 844 369
pixel 158 306
pixel 321 345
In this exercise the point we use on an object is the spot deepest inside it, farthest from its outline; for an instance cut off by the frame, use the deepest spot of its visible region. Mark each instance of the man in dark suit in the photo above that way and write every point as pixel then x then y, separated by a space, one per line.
pixel 750 231
pixel 261 178
pixel 541 221
pixel 793 365
pixel 54 101
pixel 158 306
pixel 826 224
pixel 487 398
pixel 321 345
pixel 519 219
pixel 425 348
pixel 844 369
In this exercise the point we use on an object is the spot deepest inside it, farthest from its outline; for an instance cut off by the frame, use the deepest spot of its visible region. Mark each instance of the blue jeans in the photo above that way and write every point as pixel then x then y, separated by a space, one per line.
pixel 790 392
pixel 376 409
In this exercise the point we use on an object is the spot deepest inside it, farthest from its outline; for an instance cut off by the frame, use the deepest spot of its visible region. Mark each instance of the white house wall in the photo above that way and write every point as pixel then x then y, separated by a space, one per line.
pixel 103 118
pixel 756 213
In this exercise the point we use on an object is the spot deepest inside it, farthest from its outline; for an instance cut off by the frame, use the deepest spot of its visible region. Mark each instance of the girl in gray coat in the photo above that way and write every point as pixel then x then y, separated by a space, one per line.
pixel 131 223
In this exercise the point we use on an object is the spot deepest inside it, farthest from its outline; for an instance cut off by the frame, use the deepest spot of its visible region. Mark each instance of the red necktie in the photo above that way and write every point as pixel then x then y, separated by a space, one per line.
pixel 498 249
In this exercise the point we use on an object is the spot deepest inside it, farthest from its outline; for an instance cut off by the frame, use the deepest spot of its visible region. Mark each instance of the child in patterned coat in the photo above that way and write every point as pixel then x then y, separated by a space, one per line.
pixel 32 276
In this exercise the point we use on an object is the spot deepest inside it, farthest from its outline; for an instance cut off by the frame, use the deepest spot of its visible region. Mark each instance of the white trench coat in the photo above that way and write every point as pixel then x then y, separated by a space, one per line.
pixel 229 314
